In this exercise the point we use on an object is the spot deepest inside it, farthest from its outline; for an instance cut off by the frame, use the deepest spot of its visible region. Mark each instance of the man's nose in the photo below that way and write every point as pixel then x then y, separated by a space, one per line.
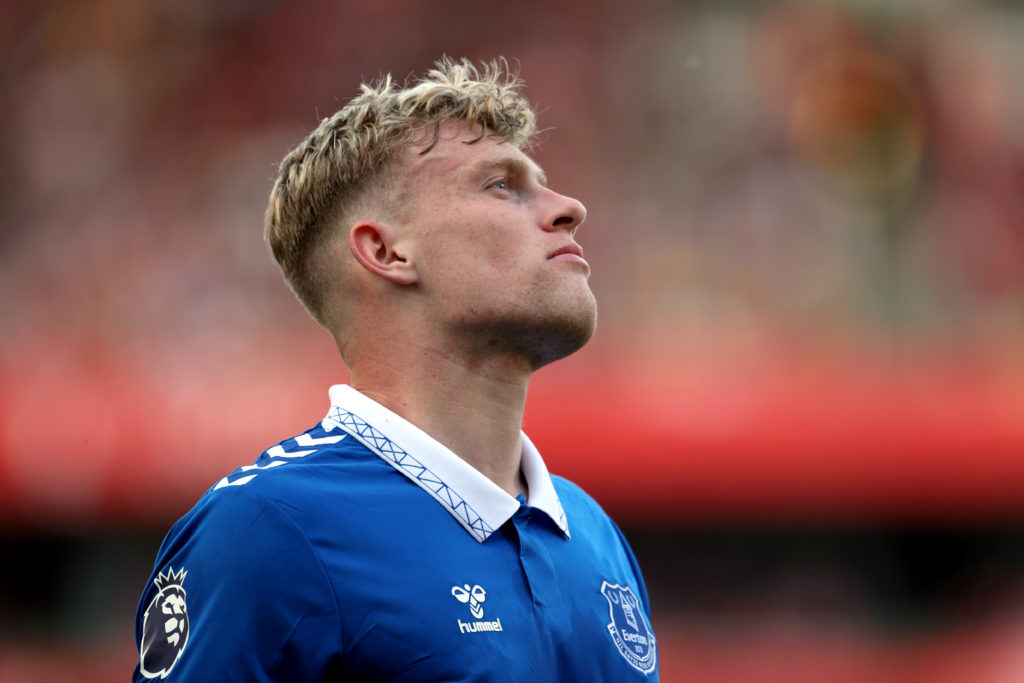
pixel 564 213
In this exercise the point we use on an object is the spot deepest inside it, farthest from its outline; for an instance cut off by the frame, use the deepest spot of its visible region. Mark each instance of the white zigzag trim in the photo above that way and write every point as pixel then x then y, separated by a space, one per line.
pixel 412 468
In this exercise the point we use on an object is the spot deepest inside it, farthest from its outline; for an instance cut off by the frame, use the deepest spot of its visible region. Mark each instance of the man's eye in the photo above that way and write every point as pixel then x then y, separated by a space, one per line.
pixel 500 184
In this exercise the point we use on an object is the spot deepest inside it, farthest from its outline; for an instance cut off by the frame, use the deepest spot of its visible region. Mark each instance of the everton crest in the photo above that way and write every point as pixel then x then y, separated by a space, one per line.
pixel 629 629
pixel 164 626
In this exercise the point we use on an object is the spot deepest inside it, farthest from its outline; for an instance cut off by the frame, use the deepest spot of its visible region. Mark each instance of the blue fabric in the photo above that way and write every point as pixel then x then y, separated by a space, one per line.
pixel 334 566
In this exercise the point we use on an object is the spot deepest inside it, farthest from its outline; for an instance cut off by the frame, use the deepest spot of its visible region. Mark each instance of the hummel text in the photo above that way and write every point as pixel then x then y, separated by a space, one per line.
pixel 478 626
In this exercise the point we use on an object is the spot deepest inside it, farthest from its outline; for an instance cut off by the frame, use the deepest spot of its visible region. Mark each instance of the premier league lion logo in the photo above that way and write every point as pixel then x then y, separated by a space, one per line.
pixel 164 626
pixel 629 629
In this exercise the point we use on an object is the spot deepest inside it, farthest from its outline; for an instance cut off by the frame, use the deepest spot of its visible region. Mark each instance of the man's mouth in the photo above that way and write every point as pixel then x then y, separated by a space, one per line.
pixel 570 252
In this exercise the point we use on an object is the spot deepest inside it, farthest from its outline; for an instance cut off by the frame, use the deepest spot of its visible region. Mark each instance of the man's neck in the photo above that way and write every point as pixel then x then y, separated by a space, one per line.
pixel 477 412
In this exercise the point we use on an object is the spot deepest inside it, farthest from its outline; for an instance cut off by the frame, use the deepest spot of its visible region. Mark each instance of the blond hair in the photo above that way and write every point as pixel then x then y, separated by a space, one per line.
pixel 329 171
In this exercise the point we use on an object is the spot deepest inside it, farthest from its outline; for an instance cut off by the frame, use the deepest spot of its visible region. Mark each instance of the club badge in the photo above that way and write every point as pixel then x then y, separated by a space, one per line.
pixel 629 628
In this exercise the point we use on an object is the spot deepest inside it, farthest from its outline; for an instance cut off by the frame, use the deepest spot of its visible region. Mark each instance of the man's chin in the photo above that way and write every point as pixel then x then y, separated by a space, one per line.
pixel 562 338
pixel 540 340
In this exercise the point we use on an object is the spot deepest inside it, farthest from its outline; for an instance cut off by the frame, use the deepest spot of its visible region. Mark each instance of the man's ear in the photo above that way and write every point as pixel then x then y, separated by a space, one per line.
pixel 374 246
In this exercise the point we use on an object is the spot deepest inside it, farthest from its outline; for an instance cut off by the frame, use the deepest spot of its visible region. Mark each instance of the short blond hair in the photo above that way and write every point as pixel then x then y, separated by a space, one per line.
pixel 329 171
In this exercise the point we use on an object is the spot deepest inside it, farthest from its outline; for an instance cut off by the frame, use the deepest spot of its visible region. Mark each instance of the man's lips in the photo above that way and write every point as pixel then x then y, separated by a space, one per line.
pixel 570 252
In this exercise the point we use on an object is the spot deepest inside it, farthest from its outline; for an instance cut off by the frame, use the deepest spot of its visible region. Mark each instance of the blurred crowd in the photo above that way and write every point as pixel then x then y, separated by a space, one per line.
pixel 838 171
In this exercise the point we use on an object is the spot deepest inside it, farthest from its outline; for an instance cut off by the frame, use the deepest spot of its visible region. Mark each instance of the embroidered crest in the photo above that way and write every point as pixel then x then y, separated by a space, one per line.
pixel 629 629
pixel 164 626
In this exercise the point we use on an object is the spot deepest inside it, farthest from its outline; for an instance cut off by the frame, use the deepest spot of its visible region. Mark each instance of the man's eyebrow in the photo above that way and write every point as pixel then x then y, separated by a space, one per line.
pixel 514 166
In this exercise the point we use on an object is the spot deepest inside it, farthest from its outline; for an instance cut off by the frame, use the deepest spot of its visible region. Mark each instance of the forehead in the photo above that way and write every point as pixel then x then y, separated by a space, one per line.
pixel 460 151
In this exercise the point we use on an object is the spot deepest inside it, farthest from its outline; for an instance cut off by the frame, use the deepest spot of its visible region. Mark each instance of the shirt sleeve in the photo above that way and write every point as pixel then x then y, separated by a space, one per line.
pixel 237 594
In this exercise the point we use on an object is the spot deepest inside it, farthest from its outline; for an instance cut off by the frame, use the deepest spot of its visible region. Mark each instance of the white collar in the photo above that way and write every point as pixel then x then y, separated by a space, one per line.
pixel 479 504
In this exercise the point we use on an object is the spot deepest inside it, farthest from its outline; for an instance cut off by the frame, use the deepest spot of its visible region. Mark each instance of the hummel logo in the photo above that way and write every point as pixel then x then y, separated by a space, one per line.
pixel 475 597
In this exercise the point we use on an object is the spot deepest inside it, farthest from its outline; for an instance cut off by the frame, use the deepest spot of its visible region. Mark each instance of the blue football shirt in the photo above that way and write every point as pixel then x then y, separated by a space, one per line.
pixel 365 550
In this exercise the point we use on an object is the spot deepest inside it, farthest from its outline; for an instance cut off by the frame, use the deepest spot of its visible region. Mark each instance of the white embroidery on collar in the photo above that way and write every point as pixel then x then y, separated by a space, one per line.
pixel 474 500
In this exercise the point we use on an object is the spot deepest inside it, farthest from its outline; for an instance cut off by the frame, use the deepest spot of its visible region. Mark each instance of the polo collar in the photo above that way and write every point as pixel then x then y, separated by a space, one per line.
pixel 478 504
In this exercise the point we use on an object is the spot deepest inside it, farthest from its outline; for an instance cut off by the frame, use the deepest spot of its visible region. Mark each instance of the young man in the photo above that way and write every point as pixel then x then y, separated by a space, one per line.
pixel 413 534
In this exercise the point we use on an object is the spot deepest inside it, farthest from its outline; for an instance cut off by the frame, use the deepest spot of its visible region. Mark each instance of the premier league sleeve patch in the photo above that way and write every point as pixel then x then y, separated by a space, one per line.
pixel 164 626
pixel 629 628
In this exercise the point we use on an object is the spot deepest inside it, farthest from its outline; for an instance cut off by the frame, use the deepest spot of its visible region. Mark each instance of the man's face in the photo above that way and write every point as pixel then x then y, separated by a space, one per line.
pixel 494 247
